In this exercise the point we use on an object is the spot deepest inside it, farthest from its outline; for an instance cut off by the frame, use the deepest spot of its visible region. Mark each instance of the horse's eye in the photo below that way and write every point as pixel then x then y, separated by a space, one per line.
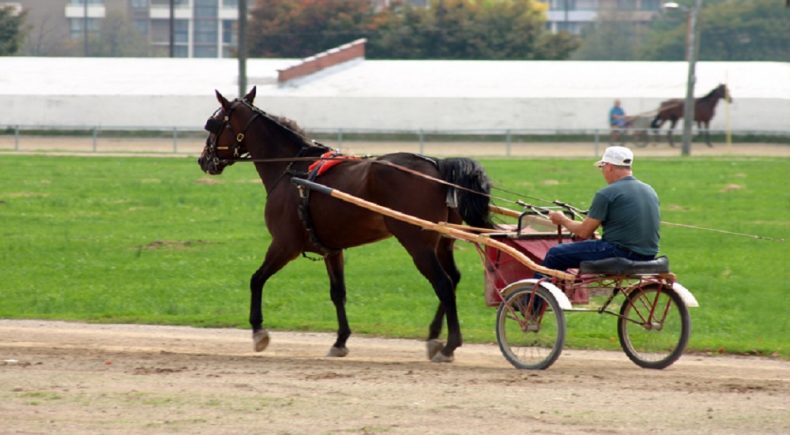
pixel 213 125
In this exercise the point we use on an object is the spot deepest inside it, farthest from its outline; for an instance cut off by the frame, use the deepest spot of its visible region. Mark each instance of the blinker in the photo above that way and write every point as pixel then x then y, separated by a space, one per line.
pixel 213 125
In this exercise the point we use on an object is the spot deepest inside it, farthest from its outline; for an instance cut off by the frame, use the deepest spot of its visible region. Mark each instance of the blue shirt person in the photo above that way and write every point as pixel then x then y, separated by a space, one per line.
pixel 617 115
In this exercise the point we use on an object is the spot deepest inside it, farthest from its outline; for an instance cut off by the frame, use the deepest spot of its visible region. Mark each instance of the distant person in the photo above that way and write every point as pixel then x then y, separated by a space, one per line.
pixel 628 211
pixel 616 122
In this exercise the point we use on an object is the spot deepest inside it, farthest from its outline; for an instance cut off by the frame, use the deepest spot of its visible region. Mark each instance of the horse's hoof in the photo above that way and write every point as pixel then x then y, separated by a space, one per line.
pixel 442 358
pixel 337 352
pixel 260 339
pixel 433 346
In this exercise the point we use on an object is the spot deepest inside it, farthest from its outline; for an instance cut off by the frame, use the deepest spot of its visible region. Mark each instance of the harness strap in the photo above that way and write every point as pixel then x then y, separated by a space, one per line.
pixel 307 221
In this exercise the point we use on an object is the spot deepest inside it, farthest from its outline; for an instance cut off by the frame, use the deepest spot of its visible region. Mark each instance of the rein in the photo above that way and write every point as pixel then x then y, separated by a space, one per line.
pixel 258 112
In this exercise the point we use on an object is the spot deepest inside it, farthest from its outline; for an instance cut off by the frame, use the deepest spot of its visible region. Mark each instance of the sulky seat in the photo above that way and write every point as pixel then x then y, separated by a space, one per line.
pixel 624 266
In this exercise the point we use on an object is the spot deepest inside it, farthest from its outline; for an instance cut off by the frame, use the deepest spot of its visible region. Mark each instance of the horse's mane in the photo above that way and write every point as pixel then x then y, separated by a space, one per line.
pixel 290 129
pixel 712 93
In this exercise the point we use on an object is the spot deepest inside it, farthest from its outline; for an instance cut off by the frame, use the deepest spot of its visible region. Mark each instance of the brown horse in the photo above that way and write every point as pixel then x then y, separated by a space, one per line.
pixel 324 225
pixel 704 109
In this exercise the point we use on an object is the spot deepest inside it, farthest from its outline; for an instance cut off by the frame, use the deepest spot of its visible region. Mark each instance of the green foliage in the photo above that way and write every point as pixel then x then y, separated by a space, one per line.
pixel 730 30
pixel 449 29
pixel 611 40
pixel 118 38
pixel 110 239
pixel 11 34
pixel 291 28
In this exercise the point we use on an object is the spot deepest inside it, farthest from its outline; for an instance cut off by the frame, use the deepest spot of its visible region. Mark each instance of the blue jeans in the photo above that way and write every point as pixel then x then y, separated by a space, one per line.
pixel 570 255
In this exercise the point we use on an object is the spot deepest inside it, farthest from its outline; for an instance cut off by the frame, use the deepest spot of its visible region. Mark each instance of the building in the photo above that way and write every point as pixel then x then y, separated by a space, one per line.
pixel 575 16
pixel 202 28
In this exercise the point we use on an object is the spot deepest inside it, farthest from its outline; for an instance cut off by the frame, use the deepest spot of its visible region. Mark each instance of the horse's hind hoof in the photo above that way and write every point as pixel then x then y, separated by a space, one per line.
pixel 433 346
pixel 442 358
pixel 260 340
pixel 337 352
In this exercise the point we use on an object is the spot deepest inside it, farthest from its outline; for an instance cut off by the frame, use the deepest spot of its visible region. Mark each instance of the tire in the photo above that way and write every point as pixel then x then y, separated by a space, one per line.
pixel 541 345
pixel 661 342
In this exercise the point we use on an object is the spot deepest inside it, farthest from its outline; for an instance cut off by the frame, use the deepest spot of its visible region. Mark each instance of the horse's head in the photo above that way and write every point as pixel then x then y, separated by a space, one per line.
pixel 723 92
pixel 227 129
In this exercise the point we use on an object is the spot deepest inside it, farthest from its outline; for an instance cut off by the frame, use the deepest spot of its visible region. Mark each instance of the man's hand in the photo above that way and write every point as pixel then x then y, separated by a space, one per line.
pixel 584 229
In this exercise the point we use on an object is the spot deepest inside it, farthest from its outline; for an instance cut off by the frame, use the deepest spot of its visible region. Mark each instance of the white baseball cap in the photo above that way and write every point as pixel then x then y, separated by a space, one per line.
pixel 618 156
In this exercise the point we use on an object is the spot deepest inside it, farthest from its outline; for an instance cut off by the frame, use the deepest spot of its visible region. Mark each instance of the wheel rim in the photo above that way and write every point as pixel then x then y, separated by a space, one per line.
pixel 529 337
pixel 656 340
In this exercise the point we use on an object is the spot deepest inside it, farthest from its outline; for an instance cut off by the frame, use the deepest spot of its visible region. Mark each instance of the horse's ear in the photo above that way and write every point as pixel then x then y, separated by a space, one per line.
pixel 222 100
pixel 250 97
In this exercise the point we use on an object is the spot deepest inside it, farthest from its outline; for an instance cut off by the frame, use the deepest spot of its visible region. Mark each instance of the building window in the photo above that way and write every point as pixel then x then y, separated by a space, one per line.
pixel 160 31
pixel 206 8
pixel 651 5
pixel 230 3
pixel 229 32
pixel 167 2
pixel 205 51
pixel 141 26
pixel 139 4
pixel 82 2
pixel 205 31
pixel 77 29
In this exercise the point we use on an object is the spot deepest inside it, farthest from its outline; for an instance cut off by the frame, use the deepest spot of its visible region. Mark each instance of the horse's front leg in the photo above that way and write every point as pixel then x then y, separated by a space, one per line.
pixel 670 131
pixel 276 258
pixel 337 290
pixel 707 134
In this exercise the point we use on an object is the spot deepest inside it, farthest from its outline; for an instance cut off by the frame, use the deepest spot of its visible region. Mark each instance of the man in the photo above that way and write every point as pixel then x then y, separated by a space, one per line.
pixel 628 210
pixel 616 122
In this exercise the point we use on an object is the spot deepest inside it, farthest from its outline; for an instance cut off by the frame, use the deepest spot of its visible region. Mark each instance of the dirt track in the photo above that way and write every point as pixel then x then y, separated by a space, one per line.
pixel 78 378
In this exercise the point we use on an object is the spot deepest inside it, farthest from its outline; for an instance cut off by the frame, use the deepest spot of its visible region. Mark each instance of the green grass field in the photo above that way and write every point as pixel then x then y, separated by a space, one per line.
pixel 108 239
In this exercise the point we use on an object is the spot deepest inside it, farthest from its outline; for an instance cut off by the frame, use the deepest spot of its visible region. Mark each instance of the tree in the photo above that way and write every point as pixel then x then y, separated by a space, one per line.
pixel 294 28
pixel 448 29
pixel 469 29
pixel 118 37
pixel 730 30
pixel 612 37
pixel 11 35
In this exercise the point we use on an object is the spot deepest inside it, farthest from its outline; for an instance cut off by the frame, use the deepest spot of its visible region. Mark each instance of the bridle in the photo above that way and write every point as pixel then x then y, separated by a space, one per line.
pixel 217 128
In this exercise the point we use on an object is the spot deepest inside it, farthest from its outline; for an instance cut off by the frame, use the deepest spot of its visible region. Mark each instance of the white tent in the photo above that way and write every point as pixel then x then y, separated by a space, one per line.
pixel 381 94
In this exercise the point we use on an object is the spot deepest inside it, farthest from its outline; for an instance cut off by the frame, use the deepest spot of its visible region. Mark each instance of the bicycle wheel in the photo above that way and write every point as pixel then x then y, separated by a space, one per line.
pixel 653 326
pixel 530 328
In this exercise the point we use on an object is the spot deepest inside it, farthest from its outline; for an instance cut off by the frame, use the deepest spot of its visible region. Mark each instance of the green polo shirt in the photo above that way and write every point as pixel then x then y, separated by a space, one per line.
pixel 628 211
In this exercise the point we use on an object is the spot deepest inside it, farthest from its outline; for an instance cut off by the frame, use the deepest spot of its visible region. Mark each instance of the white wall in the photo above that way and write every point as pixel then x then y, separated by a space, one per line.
pixel 385 113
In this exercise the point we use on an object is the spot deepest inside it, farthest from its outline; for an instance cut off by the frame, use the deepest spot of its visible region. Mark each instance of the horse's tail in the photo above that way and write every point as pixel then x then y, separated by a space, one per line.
pixel 472 203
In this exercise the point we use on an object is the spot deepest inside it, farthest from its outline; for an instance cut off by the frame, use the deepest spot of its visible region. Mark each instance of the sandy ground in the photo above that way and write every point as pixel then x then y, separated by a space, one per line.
pixel 112 379
pixel 128 379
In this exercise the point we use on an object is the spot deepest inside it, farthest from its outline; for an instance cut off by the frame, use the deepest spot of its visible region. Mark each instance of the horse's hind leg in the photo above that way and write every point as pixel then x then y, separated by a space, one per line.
pixel 446 259
pixel 428 264
pixel 276 258
pixel 337 289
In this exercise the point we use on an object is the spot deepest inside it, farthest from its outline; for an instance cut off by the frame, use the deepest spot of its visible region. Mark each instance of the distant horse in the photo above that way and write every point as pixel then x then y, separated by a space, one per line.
pixel 321 224
pixel 704 109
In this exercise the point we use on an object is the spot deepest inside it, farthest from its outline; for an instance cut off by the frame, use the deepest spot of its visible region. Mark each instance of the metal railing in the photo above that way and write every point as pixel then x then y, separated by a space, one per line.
pixel 493 142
